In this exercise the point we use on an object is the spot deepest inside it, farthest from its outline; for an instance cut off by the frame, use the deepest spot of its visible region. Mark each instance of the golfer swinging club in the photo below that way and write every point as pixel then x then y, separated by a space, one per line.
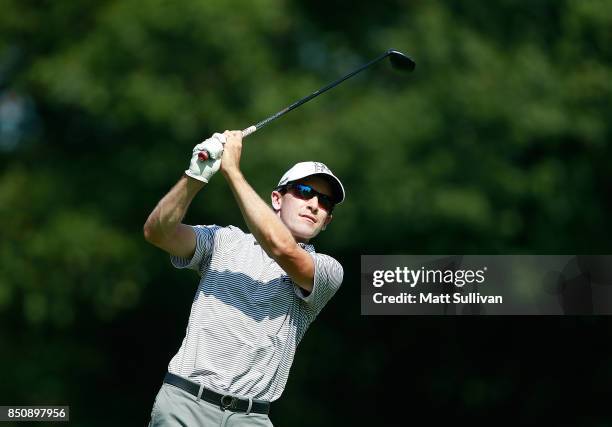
pixel 257 294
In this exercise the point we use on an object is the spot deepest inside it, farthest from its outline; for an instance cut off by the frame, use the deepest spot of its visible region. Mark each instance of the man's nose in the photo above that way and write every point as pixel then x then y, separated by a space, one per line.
pixel 313 203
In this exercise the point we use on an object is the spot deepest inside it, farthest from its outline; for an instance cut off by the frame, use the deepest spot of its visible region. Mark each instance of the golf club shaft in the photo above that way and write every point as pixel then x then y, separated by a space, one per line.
pixel 203 155
pixel 304 100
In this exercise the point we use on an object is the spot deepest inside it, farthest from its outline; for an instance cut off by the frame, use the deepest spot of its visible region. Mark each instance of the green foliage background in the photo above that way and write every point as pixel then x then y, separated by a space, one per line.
pixel 498 143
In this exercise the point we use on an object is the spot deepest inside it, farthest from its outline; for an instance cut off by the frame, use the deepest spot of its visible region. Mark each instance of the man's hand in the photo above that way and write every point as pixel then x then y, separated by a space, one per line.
pixel 232 151
pixel 204 170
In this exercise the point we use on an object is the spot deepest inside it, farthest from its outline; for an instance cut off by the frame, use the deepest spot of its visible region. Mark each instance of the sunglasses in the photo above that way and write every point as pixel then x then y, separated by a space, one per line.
pixel 306 192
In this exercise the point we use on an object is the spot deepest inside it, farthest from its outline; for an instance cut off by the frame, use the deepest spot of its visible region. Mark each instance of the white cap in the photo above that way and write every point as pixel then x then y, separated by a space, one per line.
pixel 304 169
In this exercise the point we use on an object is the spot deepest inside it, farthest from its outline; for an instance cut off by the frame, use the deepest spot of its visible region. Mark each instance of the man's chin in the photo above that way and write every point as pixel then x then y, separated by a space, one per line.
pixel 304 234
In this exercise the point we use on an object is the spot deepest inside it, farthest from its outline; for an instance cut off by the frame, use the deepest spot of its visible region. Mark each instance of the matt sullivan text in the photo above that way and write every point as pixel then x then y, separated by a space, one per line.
pixel 431 298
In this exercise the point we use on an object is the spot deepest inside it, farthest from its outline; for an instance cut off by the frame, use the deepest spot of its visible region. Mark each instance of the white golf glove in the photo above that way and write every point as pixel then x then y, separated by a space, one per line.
pixel 204 170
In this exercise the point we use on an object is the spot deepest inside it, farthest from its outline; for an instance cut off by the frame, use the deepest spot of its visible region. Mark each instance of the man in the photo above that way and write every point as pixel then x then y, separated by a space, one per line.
pixel 258 292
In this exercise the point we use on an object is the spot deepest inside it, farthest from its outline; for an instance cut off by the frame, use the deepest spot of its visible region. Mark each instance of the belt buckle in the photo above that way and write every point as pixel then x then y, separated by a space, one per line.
pixel 227 401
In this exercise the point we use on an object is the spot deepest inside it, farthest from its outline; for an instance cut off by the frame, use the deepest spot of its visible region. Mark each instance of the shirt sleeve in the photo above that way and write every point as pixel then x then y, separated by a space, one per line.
pixel 205 242
pixel 327 280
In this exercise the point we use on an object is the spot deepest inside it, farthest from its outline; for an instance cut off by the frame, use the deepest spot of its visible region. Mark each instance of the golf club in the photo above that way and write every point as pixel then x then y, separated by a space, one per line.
pixel 398 60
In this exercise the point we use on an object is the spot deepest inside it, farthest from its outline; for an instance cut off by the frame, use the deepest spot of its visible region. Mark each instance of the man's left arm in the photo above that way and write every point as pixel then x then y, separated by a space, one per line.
pixel 273 236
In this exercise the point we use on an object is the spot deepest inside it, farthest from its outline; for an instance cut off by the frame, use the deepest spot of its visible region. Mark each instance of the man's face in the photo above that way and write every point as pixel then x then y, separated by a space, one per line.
pixel 303 217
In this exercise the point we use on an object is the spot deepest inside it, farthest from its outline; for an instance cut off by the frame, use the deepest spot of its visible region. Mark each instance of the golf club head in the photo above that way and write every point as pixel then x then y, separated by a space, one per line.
pixel 400 61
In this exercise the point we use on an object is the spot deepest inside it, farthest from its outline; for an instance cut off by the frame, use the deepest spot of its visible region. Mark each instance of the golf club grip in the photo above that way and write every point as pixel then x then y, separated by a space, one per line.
pixel 248 131
pixel 205 155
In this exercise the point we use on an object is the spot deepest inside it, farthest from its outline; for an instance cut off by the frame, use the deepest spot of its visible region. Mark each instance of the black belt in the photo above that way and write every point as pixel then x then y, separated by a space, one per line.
pixel 224 401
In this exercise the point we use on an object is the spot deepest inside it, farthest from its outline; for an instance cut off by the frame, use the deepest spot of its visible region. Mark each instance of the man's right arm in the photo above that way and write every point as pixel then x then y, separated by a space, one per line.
pixel 164 229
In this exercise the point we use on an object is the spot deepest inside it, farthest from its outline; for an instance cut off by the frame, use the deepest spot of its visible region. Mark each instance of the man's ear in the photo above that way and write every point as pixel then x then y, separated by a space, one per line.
pixel 277 200
pixel 327 221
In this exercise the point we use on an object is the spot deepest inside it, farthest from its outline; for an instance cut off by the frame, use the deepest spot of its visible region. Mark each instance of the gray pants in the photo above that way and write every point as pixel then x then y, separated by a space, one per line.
pixel 175 407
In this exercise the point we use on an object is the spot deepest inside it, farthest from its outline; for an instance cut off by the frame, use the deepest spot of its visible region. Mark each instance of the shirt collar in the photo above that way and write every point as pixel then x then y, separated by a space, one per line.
pixel 306 246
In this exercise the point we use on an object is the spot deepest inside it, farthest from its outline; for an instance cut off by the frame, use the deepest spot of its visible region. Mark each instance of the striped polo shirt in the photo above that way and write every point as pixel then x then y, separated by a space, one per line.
pixel 248 316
